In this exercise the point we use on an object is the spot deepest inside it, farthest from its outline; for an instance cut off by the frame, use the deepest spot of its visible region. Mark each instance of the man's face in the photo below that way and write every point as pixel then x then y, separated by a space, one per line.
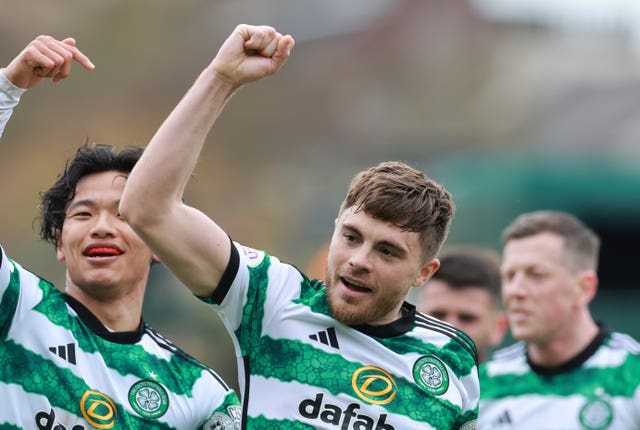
pixel 370 268
pixel 104 257
pixel 470 309
pixel 541 294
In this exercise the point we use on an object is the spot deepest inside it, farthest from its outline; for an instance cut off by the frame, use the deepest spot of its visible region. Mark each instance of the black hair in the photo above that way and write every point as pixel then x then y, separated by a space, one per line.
pixel 89 159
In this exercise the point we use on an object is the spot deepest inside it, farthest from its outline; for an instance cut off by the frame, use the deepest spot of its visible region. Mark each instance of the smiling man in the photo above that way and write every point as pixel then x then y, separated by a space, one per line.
pixel 84 358
pixel 346 354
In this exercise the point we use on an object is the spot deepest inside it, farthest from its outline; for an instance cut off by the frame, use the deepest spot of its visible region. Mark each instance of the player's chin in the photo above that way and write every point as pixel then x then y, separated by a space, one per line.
pixel 521 333
pixel 347 313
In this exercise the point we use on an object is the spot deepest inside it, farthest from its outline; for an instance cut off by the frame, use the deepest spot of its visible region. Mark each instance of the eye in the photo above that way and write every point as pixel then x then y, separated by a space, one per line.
pixel 349 237
pixel 468 318
pixel 537 274
pixel 80 214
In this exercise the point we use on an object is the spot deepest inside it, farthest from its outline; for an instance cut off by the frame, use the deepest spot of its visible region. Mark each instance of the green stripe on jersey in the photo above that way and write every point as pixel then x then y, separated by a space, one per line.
pixel 309 296
pixel 123 359
pixel 585 381
pixel 9 301
pixel 253 311
pixel 40 376
pixel 452 353
pixel 262 423
pixel 35 374
pixel 274 358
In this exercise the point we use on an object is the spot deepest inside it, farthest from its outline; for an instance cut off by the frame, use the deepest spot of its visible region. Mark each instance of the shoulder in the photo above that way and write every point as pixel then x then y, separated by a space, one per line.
pixel 14 276
pixel 617 350
pixel 262 264
pixel 446 330
pixel 182 362
pixel 622 341
pixel 512 352
pixel 510 359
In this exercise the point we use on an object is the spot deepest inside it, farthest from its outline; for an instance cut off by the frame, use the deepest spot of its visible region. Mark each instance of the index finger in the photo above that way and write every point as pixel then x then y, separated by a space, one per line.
pixel 70 45
pixel 81 58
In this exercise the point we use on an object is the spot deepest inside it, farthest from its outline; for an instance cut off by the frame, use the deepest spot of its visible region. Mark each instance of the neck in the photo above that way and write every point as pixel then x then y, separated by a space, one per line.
pixel 567 344
pixel 118 313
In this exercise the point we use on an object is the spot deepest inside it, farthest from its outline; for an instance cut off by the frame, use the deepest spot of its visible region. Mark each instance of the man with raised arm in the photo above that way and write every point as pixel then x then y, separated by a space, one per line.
pixel 83 358
pixel 350 353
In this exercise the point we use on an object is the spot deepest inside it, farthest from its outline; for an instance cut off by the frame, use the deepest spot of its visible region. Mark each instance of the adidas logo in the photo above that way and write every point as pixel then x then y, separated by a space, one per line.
pixel 505 418
pixel 327 337
pixel 66 352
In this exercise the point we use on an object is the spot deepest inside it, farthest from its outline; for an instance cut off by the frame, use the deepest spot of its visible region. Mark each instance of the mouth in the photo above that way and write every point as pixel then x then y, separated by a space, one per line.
pixel 102 251
pixel 355 286
pixel 517 314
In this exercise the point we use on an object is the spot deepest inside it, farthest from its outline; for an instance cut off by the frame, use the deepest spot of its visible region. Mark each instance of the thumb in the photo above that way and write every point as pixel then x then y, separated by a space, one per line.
pixel 70 41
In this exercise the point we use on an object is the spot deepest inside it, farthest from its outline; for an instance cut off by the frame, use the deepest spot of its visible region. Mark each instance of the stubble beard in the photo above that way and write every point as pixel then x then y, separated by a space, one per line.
pixel 352 313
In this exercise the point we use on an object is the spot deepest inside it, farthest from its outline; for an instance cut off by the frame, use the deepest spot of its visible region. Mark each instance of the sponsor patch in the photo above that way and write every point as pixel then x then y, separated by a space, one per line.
pixel 374 385
pixel 254 257
pixel 98 409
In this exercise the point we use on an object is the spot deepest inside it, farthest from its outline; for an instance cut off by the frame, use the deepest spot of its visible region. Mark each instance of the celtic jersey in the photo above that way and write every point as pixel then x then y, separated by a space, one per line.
pixel 300 368
pixel 60 368
pixel 597 390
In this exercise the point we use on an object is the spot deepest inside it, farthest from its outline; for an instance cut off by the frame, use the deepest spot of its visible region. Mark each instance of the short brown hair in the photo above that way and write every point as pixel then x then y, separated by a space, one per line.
pixel 581 243
pixel 397 193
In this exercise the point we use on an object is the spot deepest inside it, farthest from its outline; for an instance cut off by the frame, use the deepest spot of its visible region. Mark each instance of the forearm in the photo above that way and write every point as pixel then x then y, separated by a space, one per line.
pixel 187 241
pixel 158 180
pixel 9 98
pixel 155 187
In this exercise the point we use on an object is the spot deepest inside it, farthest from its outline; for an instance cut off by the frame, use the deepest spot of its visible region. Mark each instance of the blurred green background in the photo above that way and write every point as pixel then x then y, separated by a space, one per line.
pixel 511 109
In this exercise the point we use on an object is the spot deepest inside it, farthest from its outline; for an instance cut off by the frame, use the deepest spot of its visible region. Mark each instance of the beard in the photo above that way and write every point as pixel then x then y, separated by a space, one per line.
pixel 352 312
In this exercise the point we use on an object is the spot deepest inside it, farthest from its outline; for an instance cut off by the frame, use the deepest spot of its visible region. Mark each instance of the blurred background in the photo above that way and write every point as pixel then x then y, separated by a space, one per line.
pixel 513 105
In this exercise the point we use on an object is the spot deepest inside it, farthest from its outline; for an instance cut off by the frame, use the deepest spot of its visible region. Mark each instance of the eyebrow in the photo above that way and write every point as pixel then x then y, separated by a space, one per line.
pixel 400 249
pixel 87 202
pixel 84 202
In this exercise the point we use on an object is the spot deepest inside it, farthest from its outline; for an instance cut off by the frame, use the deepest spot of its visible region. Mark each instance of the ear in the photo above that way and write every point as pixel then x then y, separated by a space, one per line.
pixel 588 284
pixel 59 252
pixel 426 272
pixel 500 326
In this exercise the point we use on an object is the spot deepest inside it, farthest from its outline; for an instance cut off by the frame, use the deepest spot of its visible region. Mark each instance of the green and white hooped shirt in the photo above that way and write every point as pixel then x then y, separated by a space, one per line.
pixel 299 368
pixel 60 368
pixel 597 390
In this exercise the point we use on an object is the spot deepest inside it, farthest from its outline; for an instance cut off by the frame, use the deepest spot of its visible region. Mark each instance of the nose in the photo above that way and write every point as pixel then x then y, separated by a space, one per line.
pixel 359 259
pixel 515 286
pixel 103 225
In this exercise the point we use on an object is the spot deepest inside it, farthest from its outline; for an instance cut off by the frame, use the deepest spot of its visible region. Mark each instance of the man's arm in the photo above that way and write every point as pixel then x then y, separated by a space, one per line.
pixel 188 242
pixel 44 57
